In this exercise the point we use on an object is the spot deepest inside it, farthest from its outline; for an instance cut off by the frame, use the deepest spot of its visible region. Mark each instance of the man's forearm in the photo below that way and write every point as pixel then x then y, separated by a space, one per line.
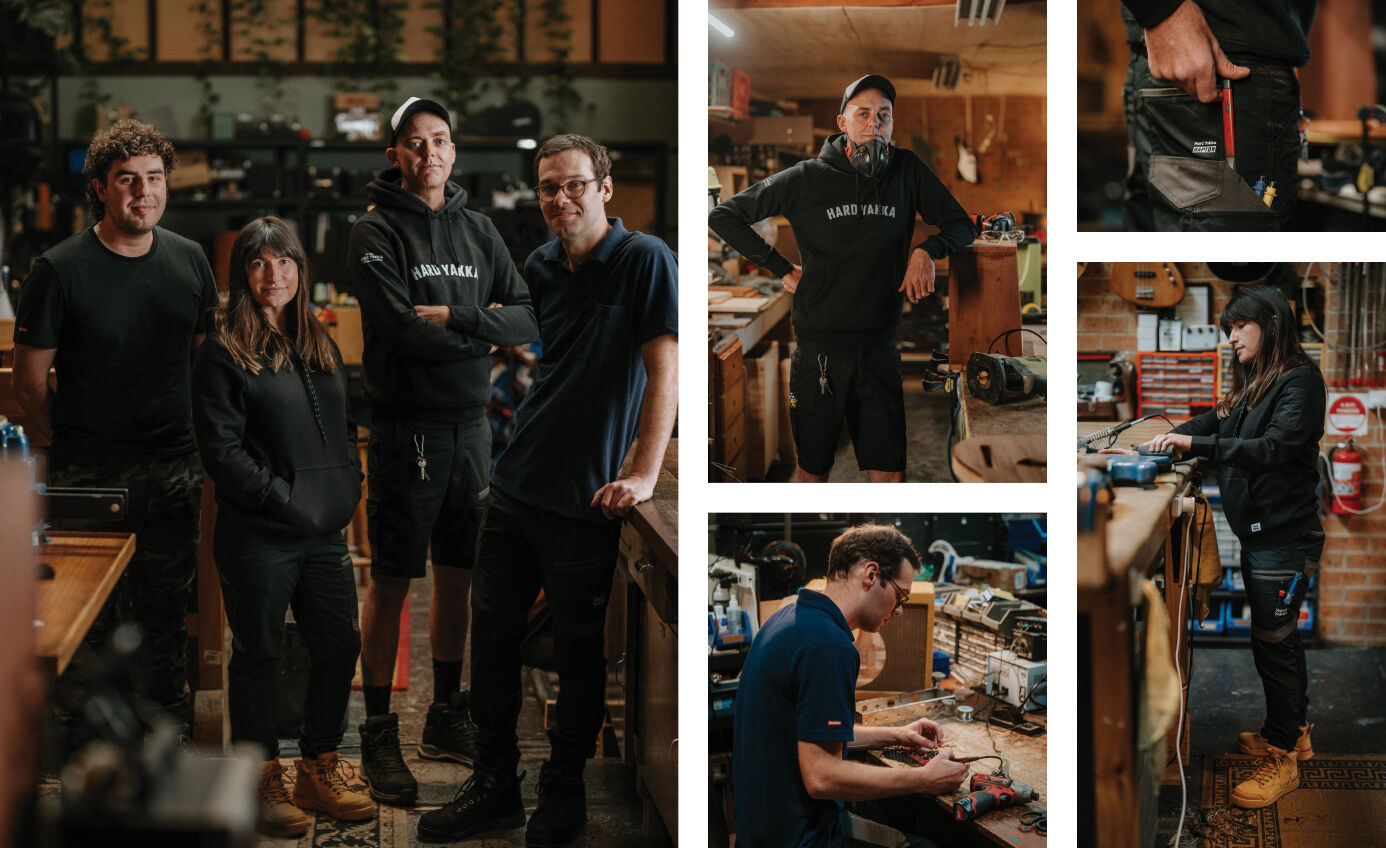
pixel 658 412
pixel 864 737
pixel 852 781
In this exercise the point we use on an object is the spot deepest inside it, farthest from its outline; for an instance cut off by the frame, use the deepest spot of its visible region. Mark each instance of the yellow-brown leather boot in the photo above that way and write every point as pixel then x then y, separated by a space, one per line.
pixel 321 785
pixel 1255 744
pixel 1276 773
pixel 278 815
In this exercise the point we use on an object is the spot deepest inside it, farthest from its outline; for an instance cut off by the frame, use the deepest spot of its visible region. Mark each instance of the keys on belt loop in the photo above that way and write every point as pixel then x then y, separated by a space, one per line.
pixel 422 461
pixel 823 387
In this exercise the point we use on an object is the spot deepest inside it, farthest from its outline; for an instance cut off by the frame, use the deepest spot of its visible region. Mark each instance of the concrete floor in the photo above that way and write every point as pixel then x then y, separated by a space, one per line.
pixel 614 816
pixel 1347 694
pixel 926 433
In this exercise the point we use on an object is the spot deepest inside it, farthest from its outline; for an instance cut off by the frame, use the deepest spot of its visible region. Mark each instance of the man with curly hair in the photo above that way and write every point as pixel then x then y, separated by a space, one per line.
pixel 118 310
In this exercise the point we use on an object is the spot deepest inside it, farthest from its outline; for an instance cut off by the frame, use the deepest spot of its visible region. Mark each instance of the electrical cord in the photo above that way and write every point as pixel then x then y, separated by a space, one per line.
pixel 1017 330
pixel 1304 304
pixel 1337 501
pixel 1185 681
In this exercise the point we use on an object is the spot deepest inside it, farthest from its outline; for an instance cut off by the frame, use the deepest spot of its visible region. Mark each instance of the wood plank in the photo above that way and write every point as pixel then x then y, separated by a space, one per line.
pixel 983 300
pixel 86 567
pixel 1001 459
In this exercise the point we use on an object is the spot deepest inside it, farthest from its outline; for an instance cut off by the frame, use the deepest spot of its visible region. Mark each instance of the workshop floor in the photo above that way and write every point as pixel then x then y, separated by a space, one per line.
pixel 1347 693
pixel 613 817
pixel 926 433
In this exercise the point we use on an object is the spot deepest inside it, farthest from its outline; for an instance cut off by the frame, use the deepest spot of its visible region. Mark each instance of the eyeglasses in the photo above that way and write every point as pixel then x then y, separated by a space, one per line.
pixel 574 189
pixel 901 598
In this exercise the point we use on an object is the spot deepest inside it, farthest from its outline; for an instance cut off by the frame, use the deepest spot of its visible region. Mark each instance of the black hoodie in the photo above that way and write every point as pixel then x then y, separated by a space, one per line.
pixel 1277 30
pixel 1267 459
pixel 854 236
pixel 403 254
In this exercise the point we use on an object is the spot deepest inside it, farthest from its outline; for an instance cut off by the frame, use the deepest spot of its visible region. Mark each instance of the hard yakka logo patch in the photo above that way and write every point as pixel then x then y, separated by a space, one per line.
pixel 863 209
pixel 425 270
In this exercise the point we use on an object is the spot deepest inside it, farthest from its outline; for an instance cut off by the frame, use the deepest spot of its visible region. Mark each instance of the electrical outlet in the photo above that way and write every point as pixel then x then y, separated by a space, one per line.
pixel 1376 398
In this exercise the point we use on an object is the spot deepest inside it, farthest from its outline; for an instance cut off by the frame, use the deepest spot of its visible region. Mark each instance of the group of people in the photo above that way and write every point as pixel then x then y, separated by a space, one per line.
pixel 121 310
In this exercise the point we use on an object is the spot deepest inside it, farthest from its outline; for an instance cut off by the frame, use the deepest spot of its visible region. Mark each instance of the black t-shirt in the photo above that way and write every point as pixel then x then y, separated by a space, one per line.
pixel 123 328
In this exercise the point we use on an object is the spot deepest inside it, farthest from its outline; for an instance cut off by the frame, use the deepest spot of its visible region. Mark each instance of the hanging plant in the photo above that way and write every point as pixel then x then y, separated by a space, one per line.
pixel 372 35
pixel 263 31
pixel 209 52
pixel 560 88
pixel 471 36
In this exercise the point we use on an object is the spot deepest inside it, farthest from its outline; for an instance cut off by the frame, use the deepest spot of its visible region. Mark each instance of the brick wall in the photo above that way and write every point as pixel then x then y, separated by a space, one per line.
pixel 1352 583
pixel 1012 171
pixel 1353 586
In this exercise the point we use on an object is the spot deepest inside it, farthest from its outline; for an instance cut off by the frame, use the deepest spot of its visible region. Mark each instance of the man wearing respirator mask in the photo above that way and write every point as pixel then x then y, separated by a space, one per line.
pixel 852 211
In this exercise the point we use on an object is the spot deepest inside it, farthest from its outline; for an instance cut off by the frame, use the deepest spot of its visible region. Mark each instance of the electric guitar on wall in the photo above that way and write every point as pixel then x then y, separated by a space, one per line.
pixel 1150 284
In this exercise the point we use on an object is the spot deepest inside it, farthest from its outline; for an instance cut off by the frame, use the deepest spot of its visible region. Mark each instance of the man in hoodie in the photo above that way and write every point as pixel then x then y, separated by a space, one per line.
pixel 607 301
pixel 437 290
pixel 1174 120
pixel 852 211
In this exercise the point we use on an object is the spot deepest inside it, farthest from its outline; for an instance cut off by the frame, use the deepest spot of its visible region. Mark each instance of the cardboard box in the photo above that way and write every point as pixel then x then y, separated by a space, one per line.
pixel 192 171
pixel 762 408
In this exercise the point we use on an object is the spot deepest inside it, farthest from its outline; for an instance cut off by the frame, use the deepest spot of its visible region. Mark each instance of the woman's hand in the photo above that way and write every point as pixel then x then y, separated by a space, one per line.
pixel 1172 440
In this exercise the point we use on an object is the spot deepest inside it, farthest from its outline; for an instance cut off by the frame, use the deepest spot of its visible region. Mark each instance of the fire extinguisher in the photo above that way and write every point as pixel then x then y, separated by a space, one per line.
pixel 1347 479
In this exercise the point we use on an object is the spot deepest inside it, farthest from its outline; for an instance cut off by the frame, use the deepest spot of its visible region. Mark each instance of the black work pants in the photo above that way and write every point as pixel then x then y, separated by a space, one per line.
pixel 1275 643
pixel 522 550
pixel 258 583
pixel 163 510
pixel 1179 179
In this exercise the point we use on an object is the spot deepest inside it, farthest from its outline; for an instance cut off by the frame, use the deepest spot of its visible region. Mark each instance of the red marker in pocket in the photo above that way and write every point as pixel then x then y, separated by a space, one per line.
pixel 1229 138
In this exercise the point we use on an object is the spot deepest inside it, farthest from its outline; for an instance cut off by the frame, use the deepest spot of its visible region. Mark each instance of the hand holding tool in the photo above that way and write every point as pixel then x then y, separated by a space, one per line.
pixel 1229 136
pixel 989 792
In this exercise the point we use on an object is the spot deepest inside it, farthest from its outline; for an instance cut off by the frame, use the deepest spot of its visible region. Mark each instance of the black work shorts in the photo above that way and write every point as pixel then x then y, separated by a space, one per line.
pixel 863 388
pixel 407 513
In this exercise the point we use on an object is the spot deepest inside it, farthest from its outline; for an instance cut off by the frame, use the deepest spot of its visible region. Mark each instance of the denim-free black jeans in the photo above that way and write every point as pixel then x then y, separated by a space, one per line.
pixel 524 549
pixel 1275 642
pixel 258 584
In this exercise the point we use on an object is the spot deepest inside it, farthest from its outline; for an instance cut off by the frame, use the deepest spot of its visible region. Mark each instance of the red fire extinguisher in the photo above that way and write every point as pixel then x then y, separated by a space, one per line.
pixel 1347 479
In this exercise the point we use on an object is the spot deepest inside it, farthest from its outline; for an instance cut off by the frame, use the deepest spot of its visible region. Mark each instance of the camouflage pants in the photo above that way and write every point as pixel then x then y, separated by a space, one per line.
pixel 163 511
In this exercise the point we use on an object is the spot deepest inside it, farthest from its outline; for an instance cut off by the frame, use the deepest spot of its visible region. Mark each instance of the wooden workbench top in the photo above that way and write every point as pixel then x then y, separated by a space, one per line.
pixel 86 567
pixel 1026 758
pixel 1013 433
pixel 1140 517
pixel 657 519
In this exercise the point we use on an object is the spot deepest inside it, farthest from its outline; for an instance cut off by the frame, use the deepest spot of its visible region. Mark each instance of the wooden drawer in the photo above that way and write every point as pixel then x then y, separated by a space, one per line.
pixel 727 368
pixel 730 403
pixel 654 577
pixel 732 439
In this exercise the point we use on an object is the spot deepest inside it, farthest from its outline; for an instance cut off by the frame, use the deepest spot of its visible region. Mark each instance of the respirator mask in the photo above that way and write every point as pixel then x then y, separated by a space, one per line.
pixel 870 158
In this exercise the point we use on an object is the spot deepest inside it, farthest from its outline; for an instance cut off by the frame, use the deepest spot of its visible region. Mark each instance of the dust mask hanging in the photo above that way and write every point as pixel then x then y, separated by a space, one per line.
pixel 869 158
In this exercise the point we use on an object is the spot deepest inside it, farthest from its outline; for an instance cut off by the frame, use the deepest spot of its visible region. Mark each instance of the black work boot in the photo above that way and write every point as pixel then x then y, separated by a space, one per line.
pixel 449 732
pixel 382 764
pixel 562 809
pixel 483 802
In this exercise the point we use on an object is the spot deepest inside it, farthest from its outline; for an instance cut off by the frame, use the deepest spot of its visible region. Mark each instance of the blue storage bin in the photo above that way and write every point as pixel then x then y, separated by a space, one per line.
pixel 1215 623
pixel 1238 618
pixel 941 662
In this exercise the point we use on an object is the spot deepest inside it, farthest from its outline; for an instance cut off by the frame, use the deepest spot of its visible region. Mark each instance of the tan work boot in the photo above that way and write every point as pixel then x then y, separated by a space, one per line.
pixel 321 785
pixel 278 815
pixel 1256 745
pixel 1276 773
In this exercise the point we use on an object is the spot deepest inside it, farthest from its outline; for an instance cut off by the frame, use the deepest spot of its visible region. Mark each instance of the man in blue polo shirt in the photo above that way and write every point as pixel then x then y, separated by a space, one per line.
pixel 607 304
pixel 795 705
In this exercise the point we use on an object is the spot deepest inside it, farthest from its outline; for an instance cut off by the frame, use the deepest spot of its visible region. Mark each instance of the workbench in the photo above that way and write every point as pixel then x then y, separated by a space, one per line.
pixel 1005 442
pixel 1026 761
pixel 1145 533
pixel 732 336
pixel 86 567
pixel 649 563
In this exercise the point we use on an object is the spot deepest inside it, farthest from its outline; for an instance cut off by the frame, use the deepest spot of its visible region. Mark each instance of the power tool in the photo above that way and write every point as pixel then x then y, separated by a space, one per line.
pixel 995 377
pixel 992 792
pixel 1127 470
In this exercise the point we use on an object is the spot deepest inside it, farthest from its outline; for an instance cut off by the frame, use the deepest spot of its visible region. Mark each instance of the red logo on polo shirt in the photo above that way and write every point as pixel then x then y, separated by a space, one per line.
pixel 834 724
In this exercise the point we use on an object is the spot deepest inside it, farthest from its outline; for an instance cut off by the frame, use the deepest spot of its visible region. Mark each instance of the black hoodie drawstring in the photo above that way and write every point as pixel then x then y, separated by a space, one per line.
pixel 312 395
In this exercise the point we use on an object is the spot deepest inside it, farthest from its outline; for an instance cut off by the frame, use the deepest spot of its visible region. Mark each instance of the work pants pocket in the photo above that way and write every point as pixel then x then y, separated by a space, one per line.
pixel 1192 186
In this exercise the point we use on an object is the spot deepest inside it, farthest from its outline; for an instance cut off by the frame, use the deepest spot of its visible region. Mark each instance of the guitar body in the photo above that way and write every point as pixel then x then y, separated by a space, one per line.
pixel 1154 285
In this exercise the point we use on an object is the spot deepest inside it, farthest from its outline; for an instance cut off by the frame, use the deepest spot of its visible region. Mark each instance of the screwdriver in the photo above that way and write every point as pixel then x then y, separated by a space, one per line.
pixel 1229 138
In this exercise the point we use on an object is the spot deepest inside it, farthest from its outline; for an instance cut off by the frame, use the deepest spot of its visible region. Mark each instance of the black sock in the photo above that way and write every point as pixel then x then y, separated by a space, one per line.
pixel 377 700
pixel 447 679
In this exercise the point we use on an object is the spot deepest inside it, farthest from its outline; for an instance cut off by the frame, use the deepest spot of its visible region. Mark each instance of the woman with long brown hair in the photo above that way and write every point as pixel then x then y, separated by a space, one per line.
pixel 1263 437
pixel 276 435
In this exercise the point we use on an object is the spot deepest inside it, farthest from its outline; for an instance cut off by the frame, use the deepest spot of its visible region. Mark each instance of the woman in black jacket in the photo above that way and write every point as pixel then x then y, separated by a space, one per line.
pixel 276 435
pixel 1264 439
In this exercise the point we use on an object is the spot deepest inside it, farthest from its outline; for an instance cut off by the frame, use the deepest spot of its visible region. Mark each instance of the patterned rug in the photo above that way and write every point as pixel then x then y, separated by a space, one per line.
pixel 1341 801
pixel 389 829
